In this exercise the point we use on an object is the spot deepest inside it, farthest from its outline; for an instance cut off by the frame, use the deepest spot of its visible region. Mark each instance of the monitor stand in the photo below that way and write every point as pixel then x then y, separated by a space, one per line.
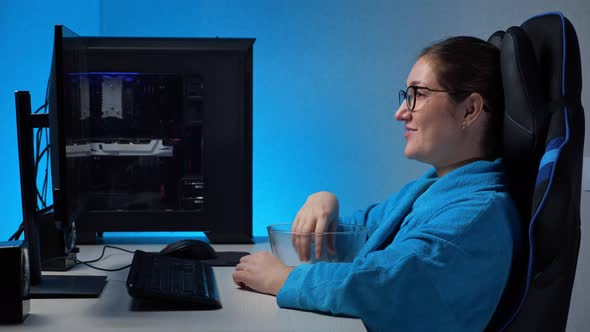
pixel 42 286
pixel 61 287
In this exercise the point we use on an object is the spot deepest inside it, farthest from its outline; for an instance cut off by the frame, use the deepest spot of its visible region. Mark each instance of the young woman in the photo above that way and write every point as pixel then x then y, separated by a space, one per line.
pixel 439 251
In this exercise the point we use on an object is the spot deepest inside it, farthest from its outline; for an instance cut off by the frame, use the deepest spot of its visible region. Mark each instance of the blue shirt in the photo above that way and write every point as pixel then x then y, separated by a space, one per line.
pixel 445 269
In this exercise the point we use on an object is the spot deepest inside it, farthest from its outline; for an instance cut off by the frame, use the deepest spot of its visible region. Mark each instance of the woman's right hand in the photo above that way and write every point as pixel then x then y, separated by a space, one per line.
pixel 318 214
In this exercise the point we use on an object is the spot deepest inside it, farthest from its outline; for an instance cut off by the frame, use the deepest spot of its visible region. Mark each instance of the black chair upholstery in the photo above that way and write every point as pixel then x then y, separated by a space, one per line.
pixel 543 151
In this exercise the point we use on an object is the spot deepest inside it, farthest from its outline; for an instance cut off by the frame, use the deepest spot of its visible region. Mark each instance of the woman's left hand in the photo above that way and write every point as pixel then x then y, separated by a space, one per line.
pixel 261 272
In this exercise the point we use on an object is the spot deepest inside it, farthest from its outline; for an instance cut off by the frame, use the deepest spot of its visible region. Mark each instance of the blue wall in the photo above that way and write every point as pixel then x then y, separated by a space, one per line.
pixel 26 45
pixel 325 80
pixel 326 76
pixel 325 83
pixel 326 73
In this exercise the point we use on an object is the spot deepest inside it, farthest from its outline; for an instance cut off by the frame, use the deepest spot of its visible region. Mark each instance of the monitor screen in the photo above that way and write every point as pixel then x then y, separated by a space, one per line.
pixel 68 56
pixel 152 134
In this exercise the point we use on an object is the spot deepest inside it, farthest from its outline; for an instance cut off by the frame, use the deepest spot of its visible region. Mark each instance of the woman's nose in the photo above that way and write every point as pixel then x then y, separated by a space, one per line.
pixel 402 113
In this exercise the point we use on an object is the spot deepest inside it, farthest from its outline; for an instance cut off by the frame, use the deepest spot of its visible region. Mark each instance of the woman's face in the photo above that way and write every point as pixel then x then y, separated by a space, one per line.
pixel 433 127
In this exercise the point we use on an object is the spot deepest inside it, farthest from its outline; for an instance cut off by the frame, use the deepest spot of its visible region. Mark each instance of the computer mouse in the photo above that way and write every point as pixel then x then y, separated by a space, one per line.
pixel 189 249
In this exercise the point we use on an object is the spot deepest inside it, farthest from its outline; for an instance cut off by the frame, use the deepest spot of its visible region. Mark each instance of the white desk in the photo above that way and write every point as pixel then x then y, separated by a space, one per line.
pixel 242 310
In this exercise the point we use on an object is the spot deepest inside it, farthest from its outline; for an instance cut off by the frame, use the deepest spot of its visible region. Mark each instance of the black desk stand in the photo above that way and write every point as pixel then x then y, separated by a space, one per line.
pixel 54 286
pixel 57 286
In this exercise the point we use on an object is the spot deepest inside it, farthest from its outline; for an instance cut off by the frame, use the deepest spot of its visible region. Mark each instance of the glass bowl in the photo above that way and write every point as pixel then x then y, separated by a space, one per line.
pixel 339 245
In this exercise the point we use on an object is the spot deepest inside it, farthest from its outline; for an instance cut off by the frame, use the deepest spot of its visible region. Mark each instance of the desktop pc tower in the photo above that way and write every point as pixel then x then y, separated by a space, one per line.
pixel 145 134
pixel 152 134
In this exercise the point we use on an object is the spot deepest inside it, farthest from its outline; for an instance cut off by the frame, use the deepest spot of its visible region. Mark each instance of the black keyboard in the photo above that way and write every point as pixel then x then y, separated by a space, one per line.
pixel 176 281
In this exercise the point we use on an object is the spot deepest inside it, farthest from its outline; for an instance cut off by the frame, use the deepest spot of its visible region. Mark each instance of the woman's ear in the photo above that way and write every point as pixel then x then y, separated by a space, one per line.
pixel 473 106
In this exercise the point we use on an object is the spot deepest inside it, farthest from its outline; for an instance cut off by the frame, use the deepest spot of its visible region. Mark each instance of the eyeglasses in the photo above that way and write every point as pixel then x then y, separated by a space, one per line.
pixel 412 91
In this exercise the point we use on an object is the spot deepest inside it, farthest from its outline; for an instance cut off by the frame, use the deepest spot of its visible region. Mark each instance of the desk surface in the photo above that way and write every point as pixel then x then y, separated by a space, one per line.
pixel 242 310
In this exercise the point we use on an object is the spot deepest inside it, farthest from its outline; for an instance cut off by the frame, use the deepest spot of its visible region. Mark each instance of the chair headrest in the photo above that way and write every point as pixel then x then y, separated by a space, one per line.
pixel 536 78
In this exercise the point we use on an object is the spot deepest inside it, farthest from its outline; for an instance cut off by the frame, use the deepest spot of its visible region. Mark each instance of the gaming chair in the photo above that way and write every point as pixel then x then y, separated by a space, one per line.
pixel 543 133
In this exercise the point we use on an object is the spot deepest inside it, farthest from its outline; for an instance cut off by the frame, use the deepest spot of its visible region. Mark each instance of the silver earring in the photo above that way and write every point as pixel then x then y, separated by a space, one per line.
pixel 463 125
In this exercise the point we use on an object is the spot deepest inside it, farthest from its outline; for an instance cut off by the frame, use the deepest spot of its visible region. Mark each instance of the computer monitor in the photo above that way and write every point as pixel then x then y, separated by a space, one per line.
pixel 153 134
pixel 68 56
pixel 39 222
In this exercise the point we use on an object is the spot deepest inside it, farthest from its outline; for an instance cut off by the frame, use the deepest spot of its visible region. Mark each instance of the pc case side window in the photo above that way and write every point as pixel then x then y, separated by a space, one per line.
pixel 158 136
pixel 143 147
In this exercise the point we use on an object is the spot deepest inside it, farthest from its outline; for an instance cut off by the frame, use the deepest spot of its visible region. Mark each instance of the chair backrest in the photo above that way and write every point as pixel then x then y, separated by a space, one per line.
pixel 543 151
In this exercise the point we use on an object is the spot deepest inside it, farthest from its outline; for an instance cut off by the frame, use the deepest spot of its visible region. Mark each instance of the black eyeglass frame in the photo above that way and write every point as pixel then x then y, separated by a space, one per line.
pixel 403 95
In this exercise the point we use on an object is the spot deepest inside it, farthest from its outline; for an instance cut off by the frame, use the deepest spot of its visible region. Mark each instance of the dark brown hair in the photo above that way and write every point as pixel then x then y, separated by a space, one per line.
pixel 466 65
